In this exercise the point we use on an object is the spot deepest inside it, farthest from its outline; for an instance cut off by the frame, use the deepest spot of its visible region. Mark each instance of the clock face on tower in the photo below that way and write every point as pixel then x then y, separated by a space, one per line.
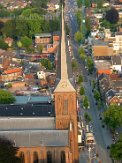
pixel 64 84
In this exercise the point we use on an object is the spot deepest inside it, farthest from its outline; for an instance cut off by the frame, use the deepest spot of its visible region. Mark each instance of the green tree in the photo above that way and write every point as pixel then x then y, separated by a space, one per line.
pixel 40 48
pixel 88 25
pixel 86 102
pixel 79 3
pixel 6 97
pixel 113 117
pixel 78 36
pixel 82 53
pixel 26 42
pixel 97 95
pixel 87 117
pixel 87 3
pixel 93 84
pixel 82 90
pixel 8 152
pixel 3 45
pixel 112 16
pixel 74 65
pixel 79 18
pixel 9 85
pixel 90 64
pixel 19 44
pixel 116 149
pixel 80 79
pixel 99 3
pixel 47 64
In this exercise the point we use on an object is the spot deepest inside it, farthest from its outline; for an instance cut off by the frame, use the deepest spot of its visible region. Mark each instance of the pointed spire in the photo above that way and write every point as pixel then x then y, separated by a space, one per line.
pixel 64 84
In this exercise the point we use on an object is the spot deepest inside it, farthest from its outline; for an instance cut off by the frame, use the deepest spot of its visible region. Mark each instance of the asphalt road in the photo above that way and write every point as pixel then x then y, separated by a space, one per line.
pixel 102 135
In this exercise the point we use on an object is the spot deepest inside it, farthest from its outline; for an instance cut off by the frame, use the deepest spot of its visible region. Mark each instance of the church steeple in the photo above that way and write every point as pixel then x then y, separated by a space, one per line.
pixel 65 95
pixel 64 69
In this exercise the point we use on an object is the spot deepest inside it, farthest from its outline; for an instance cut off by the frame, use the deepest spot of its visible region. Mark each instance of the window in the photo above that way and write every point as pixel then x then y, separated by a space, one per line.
pixel 65 108
pixel 49 157
pixel 22 157
pixel 63 158
pixel 35 157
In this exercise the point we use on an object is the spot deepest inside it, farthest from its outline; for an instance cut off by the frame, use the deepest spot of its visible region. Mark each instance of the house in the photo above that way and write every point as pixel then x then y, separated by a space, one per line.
pixel 43 38
pixel 113 98
pixel 104 84
pixel 8 41
pixel 117 44
pixel 103 66
pixel 117 63
pixel 41 75
pixel 11 74
pixel 101 49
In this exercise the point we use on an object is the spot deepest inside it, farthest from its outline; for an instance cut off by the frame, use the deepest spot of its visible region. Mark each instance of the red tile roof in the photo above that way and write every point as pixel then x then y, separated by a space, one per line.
pixel 10 71
pixel 108 72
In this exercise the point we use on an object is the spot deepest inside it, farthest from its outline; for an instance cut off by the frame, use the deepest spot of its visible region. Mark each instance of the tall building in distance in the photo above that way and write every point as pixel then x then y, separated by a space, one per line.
pixel 46 132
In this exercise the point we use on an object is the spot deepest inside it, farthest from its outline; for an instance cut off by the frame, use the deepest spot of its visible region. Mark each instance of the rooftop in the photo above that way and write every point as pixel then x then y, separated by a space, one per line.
pixel 32 99
pixel 25 123
pixel 27 110
pixel 103 64
pixel 37 137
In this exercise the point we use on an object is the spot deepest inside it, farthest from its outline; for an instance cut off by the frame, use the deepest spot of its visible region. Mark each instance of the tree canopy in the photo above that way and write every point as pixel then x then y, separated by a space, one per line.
pixel 47 64
pixel 113 116
pixel 82 90
pixel 8 152
pixel 112 16
pixel 116 149
pixel 80 79
pixel 3 45
pixel 87 117
pixel 6 97
pixel 26 42
pixel 86 102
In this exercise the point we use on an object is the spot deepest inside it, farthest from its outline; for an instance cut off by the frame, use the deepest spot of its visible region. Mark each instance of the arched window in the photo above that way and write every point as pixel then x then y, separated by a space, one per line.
pixel 22 157
pixel 35 157
pixel 49 157
pixel 63 157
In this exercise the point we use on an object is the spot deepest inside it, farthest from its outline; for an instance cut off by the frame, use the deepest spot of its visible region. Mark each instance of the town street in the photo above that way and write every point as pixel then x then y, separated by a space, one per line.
pixel 102 135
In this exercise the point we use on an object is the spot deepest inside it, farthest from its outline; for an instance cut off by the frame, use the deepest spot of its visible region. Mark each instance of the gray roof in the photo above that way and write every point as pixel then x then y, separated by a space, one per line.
pixel 37 137
pixel 99 43
pixel 110 93
pixel 43 34
pixel 116 60
pixel 32 99
pixel 27 110
pixel 9 124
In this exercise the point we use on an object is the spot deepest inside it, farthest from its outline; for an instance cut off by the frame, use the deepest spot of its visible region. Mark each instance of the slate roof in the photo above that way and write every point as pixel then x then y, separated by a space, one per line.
pixel 110 93
pixel 33 123
pixel 27 110
pixel 37 137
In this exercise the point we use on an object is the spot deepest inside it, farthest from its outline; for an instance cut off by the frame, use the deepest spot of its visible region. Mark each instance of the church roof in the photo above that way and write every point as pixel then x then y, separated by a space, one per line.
pixel 64 69
pixel 27 110
pixel 20 123
pixel 32 138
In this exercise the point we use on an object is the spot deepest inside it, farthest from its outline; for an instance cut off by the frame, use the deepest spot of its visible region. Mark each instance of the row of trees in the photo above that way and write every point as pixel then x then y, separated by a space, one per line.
pixel 87 59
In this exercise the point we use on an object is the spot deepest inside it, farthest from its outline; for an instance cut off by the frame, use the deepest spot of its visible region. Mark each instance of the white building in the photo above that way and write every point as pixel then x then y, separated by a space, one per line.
pixel 117 63
pixel 41 75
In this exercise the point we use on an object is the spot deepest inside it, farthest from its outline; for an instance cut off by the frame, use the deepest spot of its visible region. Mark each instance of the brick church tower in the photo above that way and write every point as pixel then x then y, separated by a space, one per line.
pixel 65 95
